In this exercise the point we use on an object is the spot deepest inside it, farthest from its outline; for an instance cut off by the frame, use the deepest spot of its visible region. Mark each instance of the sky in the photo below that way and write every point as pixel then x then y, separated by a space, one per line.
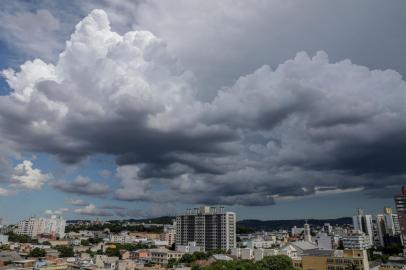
pixel 131 109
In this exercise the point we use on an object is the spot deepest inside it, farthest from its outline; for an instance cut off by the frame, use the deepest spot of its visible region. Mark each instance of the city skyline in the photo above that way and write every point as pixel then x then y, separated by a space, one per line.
pixel 123 109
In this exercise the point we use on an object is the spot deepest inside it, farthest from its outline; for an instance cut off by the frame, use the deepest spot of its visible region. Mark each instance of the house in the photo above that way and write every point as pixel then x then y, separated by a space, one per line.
pixel 106 262
pixel 6 257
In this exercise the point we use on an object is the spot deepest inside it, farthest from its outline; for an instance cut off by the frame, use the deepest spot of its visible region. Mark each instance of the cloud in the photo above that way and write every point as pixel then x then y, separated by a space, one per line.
pixel 5 192
pixel 154 210
pixel 105 173
pixel 6 169
pixel 34 33
pixel 112 207
pixel 308 124
pixel 217 46
pixel 81 185
pixel 26 177
pixel 92 210
pixel 59 211
pixel 77 202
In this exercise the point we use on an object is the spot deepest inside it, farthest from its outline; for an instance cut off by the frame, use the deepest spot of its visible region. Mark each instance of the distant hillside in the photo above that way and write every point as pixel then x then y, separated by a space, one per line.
pixel 157 220
pixel 248 225
pixel 269 225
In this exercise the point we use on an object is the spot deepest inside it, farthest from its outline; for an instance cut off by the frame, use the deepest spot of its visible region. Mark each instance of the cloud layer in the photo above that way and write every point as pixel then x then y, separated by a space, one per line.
pixel 308 126
pixel 81 185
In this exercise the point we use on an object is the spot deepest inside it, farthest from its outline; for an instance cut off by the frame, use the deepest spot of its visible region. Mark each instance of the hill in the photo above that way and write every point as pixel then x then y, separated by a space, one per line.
pixel 269 225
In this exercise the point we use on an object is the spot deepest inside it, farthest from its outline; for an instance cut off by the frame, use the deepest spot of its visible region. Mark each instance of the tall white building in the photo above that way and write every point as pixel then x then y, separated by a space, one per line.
pixel 210 227
pixel 363 223
pixel 356 239
pixel 387 224
pixel 33 227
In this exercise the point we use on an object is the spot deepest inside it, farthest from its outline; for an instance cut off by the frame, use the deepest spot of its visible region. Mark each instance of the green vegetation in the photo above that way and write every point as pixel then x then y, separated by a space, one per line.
pixel 12 237
pixel 112 252
pixel 389 250
pixel 114 227
pixel 244 230
pixel 278 262
pixel 84 242
pixel 37 252
pixel 95 240
pixel 65 251
pixel 393 249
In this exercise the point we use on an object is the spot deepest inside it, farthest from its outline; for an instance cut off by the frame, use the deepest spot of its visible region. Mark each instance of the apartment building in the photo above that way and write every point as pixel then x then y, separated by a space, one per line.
pixel 210 227
pixel 387 227
pixel 364 224
pixel 400 202
pixel 356 239
pixel 33 227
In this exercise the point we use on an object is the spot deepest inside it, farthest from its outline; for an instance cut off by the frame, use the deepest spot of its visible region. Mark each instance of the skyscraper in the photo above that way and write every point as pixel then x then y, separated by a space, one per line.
pixel 210 227
pixel 400 202
pixel 363 223
pixel 387 227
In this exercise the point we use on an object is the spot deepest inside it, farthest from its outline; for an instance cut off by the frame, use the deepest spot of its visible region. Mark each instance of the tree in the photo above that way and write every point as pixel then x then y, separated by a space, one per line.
pixel 65 251
pixel 37 252
pixel 244 230
pixel 12 237
pixel 352 266
pixel 113 252
pixel 172 262
pixel 84 242
pixel 277 262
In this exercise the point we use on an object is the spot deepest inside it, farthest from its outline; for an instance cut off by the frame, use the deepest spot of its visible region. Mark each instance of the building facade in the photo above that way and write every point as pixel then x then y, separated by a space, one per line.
pixel 33 227
pixel 210 227
pixel 340 260
pixel 162 256
pixel 400 202
pixel 356 239
pixel 387 227
pixel 364 224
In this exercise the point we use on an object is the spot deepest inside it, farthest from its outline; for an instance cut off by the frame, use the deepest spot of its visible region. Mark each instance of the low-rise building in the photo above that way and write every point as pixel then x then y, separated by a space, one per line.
pixel 163 255
pixel 191 247
pixel 242 253
pixel 3 239
pixel 106 262
pixel 260 253
pixel 337 260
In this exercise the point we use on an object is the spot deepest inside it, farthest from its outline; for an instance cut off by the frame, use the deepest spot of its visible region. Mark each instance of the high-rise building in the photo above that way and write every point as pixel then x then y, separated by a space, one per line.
pixel 327 228
pixel 363 223
pixel 386 227
pixel 400 202
pixel 33 227
pixel 210 227
pixel 168 234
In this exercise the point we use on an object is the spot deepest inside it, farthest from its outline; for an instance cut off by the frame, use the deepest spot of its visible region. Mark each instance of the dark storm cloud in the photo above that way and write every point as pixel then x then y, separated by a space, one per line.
pixel 309 126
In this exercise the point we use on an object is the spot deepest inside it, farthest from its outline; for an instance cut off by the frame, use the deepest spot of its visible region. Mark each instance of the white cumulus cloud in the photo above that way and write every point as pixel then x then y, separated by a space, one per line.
pixel 25 176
